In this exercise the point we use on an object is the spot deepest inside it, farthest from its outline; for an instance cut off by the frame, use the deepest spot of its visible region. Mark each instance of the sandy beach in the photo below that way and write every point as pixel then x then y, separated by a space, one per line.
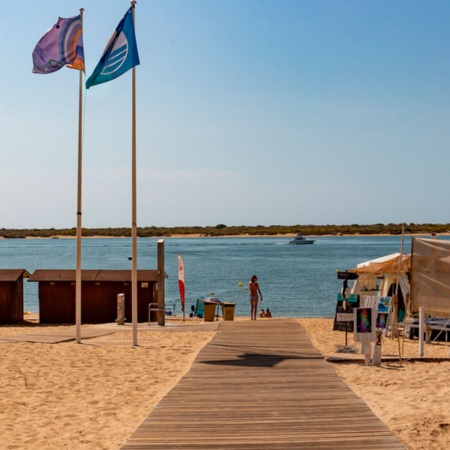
pixel 95 395
pixel 410 397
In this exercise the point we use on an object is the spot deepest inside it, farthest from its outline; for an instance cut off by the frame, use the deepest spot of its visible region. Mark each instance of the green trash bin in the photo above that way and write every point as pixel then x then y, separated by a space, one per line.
pixel 200 308
pixel 210 311
pixel 228 310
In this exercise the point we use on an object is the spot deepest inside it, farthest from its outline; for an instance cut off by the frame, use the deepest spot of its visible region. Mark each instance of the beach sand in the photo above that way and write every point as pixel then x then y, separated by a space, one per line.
pixel 88 396
pixel 95 395
pixel 411 397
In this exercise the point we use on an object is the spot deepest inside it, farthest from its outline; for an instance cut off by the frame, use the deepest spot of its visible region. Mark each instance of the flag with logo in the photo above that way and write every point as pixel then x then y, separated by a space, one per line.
pixel 61 46
pixel 120 54
pixel 181 280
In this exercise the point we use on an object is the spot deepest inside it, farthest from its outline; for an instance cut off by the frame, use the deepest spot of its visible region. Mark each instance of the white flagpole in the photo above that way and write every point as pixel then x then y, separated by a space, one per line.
pixel 134 306
pixel 79 207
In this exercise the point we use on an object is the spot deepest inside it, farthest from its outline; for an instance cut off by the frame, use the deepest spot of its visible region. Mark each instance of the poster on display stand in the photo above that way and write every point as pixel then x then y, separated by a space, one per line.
pixel 365 325
pixel 383 312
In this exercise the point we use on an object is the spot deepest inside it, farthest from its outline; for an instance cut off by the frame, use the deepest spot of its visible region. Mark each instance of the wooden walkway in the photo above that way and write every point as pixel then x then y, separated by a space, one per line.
pixel 261 385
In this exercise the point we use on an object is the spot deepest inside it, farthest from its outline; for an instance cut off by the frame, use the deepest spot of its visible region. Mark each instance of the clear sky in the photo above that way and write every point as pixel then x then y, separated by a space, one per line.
pixel 249 112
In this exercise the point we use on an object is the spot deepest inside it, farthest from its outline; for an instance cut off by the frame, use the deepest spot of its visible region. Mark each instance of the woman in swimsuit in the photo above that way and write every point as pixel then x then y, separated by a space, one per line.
pixel 253 287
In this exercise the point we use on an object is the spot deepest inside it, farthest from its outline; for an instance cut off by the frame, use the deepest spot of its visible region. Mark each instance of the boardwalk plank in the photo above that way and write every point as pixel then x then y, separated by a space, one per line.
pixel 261 385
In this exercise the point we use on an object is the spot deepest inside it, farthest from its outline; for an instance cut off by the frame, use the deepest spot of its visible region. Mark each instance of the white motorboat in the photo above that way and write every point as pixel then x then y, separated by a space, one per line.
pixel 300 240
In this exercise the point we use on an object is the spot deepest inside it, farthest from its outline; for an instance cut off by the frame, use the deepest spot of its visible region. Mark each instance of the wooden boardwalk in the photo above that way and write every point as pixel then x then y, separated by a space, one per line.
pixel 261 385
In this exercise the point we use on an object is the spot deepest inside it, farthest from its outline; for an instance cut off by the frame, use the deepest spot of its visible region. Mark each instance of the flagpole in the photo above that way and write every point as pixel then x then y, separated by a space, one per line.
pixel 79 206
pixel 134 307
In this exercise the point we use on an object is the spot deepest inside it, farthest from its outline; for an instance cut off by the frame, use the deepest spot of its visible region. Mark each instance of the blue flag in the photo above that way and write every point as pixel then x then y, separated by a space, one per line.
pixel 120 54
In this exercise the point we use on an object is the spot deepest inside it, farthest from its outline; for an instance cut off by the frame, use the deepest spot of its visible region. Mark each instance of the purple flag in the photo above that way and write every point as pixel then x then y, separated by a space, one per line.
pixel 61 45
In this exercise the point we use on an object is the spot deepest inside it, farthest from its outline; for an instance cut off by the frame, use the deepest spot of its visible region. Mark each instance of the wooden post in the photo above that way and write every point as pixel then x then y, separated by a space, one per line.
pixel 421 330
pixel 367 350
pixel 376 354
pixel 161 286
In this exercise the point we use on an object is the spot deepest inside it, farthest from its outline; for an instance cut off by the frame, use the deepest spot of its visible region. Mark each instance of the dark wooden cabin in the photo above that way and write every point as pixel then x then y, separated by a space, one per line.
pixel 11 295
pixel 99 291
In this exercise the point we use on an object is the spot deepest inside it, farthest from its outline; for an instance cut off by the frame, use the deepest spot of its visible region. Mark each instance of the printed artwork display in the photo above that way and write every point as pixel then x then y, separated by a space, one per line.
pixel 365 326
pixel 384 308
pixel 382 319
pixel 351 303
pixel 384 305
pixel 364 320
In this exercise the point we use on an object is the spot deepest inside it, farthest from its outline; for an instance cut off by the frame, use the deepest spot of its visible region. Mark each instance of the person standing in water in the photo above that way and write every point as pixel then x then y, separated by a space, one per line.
pixel 253 287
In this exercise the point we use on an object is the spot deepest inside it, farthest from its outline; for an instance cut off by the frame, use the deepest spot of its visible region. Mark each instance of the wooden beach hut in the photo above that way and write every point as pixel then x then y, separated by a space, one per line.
pixel 11 295
pixel 99 292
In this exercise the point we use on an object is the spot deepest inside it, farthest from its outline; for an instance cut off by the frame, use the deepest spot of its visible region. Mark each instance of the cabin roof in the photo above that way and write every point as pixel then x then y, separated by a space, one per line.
pixel 13 274
pixel 93 275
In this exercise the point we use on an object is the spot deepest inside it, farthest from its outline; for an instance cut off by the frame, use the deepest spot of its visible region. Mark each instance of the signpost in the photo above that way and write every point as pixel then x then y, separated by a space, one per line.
pixel 347 276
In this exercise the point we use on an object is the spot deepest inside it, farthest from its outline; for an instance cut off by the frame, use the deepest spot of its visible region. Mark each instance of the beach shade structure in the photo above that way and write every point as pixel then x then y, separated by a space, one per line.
pixel 211 306
pixel 385 277
pixel 376 276
pixel 384 265
pixel 430 276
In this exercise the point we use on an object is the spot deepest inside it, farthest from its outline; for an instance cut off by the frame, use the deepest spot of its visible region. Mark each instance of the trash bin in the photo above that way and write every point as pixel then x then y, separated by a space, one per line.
pixel 228 310
pixel 210 311
pixel 199 310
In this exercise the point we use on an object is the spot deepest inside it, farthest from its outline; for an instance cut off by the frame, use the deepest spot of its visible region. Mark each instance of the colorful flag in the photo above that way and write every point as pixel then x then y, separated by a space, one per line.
pixel 61 46
pixel 181 280
pixel 120 54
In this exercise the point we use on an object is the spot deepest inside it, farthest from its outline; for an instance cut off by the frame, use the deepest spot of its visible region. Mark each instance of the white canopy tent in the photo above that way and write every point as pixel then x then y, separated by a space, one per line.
pixel 385 277
pixel 376 276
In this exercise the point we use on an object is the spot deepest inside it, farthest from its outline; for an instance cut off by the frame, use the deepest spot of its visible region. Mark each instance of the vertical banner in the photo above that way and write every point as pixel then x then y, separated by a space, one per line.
pixel 181 281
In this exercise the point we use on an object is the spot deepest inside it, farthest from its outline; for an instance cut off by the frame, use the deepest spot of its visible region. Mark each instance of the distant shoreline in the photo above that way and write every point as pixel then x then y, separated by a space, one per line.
pixel 194 236
pixel 232 231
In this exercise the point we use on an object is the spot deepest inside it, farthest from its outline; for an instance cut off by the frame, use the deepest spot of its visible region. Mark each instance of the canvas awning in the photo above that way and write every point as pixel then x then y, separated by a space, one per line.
pixel 378 275
pixel 385 265
pixel 430 276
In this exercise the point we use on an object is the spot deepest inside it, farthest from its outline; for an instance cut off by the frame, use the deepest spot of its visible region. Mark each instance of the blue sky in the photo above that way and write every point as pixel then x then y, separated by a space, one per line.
pixel 249 112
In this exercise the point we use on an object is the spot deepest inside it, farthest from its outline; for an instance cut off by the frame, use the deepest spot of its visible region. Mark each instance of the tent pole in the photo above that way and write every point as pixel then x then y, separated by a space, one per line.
pixel 421 331
pixel 397 285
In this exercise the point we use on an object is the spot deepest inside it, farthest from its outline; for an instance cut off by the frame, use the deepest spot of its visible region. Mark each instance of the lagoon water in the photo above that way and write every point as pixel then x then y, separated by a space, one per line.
pixel 296 280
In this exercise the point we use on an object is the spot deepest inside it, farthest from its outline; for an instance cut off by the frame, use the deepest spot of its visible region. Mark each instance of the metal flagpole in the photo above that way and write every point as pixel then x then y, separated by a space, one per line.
pixel 134 308
pixel 79 207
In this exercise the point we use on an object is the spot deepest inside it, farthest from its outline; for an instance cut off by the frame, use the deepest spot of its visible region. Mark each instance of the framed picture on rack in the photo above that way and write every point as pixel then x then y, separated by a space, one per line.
pixel 365 325
pixel 383 311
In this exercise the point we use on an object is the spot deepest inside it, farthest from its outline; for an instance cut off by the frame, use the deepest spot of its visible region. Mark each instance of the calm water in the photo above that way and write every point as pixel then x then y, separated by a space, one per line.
pixel 296 281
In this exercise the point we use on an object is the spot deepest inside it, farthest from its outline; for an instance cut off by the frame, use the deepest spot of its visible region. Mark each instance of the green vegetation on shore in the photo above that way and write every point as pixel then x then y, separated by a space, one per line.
pixel 224 230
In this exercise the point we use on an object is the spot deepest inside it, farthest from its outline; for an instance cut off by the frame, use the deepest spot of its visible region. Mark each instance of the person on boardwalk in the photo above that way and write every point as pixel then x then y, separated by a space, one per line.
pixel 253 287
